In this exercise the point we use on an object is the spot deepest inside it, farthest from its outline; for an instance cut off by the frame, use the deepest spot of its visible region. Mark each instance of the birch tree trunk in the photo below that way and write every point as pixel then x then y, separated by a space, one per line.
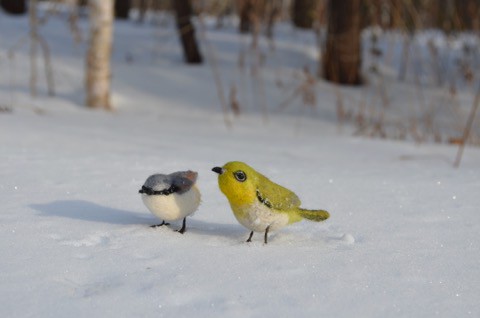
pixel 98 72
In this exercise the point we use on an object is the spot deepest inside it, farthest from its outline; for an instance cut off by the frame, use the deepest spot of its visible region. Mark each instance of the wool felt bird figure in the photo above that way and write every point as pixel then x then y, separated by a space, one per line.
pixel 260 204
pixel 171 197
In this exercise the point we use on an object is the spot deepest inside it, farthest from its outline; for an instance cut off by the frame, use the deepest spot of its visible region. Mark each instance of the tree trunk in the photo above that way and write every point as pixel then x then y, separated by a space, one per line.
pixel 122 9
pixel 304 13
pixel 273 10
pixel 466 13
pixel 186 31
pixel 442 12
pixel 342 58
pixel 14 6
pixel 98 72
pixel 396 7
pixel 246 10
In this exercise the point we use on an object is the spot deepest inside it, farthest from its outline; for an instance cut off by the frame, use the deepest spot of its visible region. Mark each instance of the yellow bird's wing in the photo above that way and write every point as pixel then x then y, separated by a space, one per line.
pixel 275 196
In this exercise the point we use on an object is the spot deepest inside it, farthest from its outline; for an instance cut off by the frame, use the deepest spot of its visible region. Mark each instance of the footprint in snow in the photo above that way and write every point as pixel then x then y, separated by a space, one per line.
pixel 97 239
pixel 345 238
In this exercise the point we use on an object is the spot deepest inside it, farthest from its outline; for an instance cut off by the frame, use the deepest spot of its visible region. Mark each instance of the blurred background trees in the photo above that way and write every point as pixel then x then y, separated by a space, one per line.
pixel 338 25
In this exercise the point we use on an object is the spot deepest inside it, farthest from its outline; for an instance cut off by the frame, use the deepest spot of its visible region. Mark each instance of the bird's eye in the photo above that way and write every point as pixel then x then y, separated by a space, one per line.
pixel 240 175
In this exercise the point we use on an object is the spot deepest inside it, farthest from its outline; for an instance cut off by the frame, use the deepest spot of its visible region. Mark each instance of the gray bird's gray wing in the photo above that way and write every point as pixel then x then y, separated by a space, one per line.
pixel 183 180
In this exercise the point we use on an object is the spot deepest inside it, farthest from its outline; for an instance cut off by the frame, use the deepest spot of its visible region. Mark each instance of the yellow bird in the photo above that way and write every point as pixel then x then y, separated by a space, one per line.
pixel 260 204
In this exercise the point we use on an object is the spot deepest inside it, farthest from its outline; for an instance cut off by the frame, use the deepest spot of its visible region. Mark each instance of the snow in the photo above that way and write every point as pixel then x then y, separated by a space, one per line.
pixel 402 240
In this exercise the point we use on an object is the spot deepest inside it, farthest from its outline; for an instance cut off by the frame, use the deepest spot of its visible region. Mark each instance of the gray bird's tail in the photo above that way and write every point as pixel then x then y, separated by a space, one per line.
pixel 314 215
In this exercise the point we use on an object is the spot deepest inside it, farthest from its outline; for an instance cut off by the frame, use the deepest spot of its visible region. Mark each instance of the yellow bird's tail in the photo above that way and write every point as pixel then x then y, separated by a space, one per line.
pixel 314 215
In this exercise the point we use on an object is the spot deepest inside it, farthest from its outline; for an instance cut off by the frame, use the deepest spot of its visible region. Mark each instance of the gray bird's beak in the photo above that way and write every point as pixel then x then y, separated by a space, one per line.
pixel 218 170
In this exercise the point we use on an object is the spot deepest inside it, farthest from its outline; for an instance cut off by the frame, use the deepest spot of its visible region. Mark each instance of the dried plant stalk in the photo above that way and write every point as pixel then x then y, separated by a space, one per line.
pixel 467 129
pixel 33 20
pixel 212 60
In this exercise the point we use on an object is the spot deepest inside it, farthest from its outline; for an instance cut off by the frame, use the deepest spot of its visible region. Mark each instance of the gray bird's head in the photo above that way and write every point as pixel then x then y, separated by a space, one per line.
pixel 165 184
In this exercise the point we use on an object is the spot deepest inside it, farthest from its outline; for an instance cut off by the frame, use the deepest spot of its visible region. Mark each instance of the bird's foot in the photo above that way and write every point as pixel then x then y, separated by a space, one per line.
pixel 249 238
pixel 266 235
pixel 158 225
pixel 184 226
pixel 181 231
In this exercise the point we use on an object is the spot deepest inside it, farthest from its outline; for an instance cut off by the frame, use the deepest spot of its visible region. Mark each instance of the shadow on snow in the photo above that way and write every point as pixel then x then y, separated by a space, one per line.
pixel 92 212
pixel 89 211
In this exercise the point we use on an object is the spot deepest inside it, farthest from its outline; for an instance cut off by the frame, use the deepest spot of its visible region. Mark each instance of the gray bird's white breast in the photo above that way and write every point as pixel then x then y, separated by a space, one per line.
pixel 173 207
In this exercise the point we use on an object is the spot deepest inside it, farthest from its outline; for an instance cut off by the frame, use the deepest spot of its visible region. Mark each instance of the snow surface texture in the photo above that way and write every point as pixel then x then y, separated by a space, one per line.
pixel 402 240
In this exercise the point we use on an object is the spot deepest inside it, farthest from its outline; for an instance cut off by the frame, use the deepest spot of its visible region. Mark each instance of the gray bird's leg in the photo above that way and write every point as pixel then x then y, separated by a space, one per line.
pixel 250 237
pixel 184 226
pixel 161 224
pixel 266 234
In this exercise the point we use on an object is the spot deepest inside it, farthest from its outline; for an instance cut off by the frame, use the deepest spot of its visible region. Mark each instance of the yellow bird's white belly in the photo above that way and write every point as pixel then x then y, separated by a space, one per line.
pixel 173 207
pixel 257 217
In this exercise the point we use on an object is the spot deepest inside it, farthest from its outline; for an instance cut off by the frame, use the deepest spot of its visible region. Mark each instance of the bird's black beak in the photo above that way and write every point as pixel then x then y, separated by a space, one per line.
pixel 218 170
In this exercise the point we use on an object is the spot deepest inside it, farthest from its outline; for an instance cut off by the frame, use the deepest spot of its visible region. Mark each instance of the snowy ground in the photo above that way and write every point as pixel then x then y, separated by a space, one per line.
pixel 402 240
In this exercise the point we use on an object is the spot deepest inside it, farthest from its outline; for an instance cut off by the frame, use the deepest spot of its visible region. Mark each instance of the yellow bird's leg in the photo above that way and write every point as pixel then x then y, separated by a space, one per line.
pixel 266 234
pixel 250 237
pixel 161 224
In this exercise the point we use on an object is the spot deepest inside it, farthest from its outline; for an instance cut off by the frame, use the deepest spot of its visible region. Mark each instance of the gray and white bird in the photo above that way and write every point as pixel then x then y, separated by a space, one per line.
pixel 171 197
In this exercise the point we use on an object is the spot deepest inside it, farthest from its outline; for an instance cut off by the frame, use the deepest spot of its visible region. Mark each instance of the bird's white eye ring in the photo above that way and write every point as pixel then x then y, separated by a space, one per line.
pixel 240 175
